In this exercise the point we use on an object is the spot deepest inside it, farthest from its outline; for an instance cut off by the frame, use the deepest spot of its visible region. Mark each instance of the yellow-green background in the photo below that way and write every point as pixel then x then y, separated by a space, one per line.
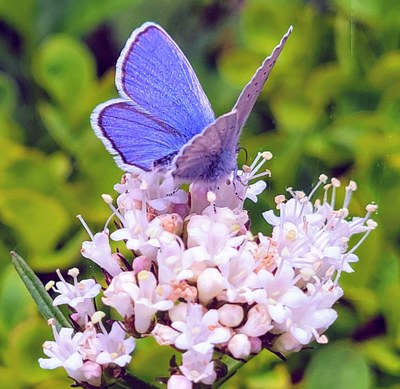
pixel 332 105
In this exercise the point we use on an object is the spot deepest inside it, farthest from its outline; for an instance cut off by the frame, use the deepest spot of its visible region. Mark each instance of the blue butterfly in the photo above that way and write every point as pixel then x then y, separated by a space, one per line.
pixel 163 119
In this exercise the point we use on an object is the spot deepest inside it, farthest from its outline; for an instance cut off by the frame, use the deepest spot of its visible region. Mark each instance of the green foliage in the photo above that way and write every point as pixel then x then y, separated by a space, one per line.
pixel 348 368
pixel 331 106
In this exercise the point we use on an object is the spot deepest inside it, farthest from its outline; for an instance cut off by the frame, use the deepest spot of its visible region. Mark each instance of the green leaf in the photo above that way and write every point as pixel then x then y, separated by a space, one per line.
pixel 82 16
pixel 20 15
pixel 363 10
pixel 386 71
pixel 151 360
pixel 15 301
pixel 238 66
pixel 38 292
pixel 25 348
pixel 58 127
pixel 10 151
pixel 8 95
pixel 39 220
pixel 258 33
pixel 339 365
pixel 66 69
pixel 384 354
pixel 62 257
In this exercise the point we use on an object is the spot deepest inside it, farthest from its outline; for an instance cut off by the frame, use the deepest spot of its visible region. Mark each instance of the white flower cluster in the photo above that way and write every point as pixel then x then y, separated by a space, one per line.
pixel 85 354
pixel 189 273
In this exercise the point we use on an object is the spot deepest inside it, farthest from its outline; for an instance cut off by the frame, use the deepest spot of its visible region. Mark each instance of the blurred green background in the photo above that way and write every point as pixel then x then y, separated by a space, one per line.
pixel 331 105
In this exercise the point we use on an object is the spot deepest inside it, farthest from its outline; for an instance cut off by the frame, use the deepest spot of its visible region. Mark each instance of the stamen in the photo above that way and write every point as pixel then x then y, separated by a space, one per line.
pixel 107 198
pixel 49 285
pixel 335 184
pixel 267 172
pixel 350 188
pixel 256 159
pixel 321 180
pixel 97 317
pixel 113 209
pixel 74 272
pixel 85 226
pixel 267 155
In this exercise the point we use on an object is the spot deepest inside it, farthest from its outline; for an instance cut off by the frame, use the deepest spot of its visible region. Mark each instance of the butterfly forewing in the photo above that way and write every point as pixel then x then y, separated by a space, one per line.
pixel 153 72
pixel 252 90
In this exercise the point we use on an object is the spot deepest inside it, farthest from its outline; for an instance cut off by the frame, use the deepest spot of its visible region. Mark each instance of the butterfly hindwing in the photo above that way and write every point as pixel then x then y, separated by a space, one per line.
pixel 133 136
pixel 211 155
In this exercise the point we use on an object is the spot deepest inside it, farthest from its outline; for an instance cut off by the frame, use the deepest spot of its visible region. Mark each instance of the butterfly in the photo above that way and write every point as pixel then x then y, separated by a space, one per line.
pixel 163 119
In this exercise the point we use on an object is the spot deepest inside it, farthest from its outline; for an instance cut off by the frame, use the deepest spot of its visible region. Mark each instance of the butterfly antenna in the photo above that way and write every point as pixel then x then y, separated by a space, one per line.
pixel 245 151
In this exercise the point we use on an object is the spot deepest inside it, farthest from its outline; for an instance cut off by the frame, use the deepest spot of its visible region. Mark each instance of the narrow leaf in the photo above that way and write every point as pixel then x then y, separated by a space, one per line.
pixel 38 292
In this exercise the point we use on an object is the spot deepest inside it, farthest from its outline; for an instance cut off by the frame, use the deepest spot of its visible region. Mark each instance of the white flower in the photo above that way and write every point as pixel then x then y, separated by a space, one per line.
pixel 315 237
pixel 78 295
pixel 277 292
pixel 238 275
pixel 114 347
pixel 258 322
pixel 118 294
pixel 198 367
pixel 215 231
pixel 200 330
pixel 99 251
pixel 65 352
pixel 171 264
pixel 149 187
pixel 308 321
pixel 138 234
pixel 148 298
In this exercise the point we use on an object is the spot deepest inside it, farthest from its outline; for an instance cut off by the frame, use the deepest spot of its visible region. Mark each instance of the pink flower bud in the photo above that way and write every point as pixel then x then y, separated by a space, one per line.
pixel 239 346
pixel 179 381
pixel 92 372
pixel 141 263
pixel 256 345
pixel 209 284
pixel 230 315
pixel 258 322
pixel 172 223
pixel 164 335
